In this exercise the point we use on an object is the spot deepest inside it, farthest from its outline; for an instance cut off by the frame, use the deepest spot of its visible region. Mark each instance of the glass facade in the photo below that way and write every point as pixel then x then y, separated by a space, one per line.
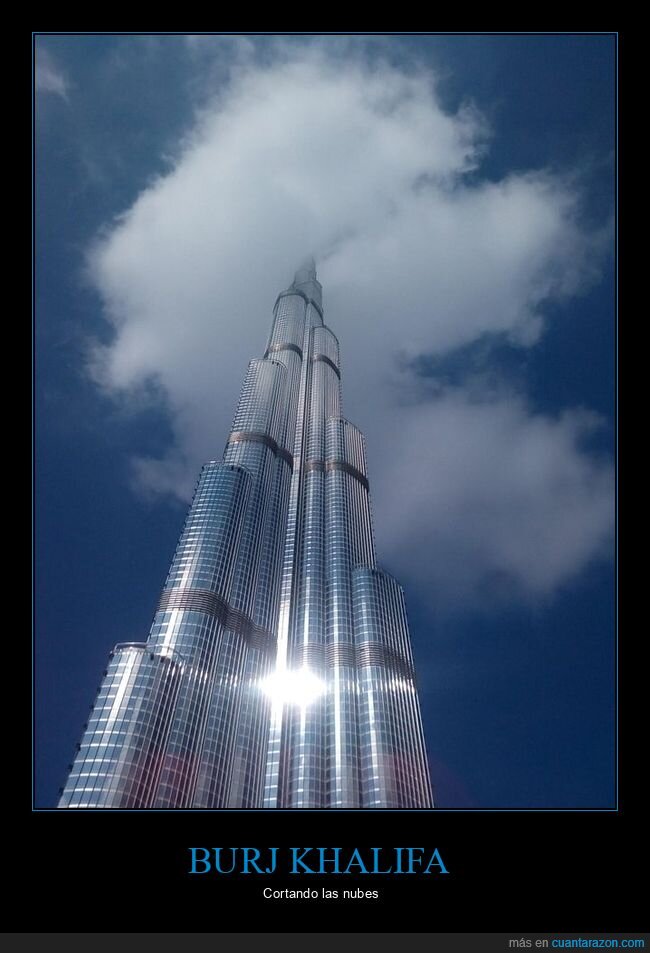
pixel 278 671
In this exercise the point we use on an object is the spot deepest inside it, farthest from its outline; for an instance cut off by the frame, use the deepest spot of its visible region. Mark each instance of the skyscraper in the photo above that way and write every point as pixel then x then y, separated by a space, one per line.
pixel 278 671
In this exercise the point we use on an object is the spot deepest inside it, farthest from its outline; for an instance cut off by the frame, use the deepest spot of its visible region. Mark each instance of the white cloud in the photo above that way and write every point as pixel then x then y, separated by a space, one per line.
pixel 359 164
pixel 505 502
pixel 49 78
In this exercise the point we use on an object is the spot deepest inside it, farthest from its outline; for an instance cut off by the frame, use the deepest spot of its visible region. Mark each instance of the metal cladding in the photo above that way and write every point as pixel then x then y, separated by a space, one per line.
pixel 278 671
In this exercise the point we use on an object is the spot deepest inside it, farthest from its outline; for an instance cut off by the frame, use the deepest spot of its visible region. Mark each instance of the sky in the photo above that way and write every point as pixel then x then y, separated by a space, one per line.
pixel 457 193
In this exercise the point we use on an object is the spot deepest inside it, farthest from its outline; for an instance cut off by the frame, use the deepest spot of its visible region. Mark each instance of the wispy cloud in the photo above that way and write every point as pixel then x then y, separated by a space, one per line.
pixel 49 78
pixel 356 161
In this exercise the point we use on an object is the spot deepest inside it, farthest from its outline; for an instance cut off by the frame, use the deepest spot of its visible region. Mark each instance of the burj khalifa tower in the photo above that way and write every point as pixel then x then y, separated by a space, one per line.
pixel 278 671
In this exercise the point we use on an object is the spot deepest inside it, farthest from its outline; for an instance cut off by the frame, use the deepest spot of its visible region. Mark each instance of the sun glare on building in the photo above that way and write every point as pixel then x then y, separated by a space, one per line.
pixel 293 687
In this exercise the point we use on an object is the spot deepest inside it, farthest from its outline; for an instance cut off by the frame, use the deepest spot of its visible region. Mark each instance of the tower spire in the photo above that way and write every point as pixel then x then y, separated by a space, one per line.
pixel 305 280
pixel 307 270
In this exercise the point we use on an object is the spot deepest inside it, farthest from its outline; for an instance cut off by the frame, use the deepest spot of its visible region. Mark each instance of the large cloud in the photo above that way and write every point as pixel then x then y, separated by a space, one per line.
pixel 357 163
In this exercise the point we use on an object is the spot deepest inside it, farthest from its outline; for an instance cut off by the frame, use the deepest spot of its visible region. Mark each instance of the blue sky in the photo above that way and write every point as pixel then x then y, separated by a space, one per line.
pixel 458 194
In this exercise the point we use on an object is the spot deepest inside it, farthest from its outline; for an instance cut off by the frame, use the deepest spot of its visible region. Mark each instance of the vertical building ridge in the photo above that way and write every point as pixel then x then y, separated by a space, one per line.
pixel 278 671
